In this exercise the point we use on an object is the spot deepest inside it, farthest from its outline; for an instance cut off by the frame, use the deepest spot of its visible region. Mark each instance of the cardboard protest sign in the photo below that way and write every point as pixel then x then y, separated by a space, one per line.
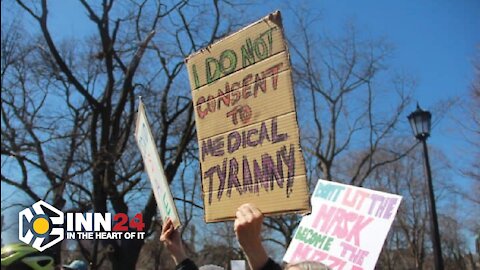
pixel 347 227
pixel 247 124
pixel 154 168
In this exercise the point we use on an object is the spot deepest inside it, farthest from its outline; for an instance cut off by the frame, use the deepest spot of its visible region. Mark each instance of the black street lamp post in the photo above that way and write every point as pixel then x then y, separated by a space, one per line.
pixel 420 121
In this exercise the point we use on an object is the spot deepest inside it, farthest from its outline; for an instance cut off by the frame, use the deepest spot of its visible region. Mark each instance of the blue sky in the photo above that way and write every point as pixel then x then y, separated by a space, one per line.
pixel 435 41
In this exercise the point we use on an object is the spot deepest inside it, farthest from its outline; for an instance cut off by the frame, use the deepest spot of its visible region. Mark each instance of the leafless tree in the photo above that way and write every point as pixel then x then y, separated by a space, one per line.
pixel 68 106
pixel 471 130
pixel 470 127
pixel 348 105
pixel 406 244
pixel 353 109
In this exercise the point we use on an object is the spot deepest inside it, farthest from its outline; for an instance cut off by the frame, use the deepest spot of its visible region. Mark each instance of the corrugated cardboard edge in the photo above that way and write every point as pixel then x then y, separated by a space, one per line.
pixel 272 214
pixel 276 18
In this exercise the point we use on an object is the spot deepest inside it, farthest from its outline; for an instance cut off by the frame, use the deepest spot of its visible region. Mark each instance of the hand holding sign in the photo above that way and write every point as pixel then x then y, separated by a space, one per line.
pixel 173 241
pixel 248 228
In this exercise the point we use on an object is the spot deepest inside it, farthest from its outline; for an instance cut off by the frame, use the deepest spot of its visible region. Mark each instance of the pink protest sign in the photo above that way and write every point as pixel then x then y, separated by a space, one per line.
pixel 347 227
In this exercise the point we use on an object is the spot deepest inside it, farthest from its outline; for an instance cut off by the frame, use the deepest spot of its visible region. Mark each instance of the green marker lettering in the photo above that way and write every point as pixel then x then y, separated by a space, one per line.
pixel 195 77
pixel 247 54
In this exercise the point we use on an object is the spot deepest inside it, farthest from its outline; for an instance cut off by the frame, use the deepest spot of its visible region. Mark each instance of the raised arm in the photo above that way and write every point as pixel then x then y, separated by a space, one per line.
pixel 248 228
pixel 173 242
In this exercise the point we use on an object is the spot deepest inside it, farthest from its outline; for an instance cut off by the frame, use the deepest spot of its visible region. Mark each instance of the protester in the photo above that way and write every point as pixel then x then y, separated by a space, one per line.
pixel 248 227
pixel 173 242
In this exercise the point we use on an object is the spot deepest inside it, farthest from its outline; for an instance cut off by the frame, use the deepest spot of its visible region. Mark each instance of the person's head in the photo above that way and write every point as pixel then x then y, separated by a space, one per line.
pixel 25 257
pixel 307 265
pixel 76 265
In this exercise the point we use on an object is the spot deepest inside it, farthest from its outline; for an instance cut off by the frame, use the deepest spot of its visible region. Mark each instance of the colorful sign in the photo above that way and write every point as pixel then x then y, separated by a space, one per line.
pixel 347 227
pixel 154 168
pixel 247 124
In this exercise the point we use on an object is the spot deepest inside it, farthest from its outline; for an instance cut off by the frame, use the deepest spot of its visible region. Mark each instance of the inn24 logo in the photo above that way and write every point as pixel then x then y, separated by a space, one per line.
pixel 43 226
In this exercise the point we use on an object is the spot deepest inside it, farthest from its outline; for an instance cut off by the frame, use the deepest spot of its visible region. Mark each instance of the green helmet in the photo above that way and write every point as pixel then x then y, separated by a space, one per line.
pixel 21 256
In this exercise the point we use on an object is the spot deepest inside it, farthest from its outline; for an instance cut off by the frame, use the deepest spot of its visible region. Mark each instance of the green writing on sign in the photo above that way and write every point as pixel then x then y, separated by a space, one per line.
pixel 252 51
pixel 166 206
pixel 311 237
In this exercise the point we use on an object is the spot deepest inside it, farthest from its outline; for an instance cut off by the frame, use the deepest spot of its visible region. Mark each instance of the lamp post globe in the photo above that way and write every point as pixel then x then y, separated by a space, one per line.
pixel 421 122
